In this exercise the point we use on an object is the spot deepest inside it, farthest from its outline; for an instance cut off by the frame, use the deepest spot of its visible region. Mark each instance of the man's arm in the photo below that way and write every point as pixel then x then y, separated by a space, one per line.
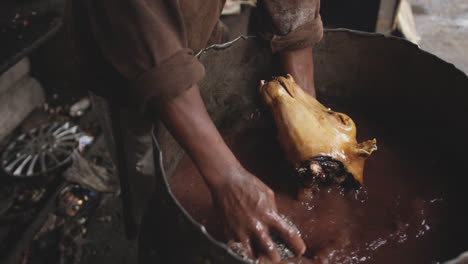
pixel 148 48
pixel 292 27
pixel 247 204
pixel 299 63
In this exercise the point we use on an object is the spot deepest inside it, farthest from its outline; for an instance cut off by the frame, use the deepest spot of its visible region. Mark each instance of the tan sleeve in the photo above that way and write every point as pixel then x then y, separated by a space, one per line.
pixel 145 41
pixel 290 24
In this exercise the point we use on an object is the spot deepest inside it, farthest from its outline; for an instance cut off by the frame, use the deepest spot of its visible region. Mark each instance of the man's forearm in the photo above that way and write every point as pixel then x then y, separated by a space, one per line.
pixel 246 204
pixel 299 63
pixel 187 119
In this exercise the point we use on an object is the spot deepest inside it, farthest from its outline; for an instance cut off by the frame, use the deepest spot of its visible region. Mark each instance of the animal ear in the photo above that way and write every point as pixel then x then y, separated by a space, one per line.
pixel 366 148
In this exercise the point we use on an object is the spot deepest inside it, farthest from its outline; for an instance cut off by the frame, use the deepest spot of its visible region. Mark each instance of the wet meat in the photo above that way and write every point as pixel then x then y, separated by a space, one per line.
pixel 320 143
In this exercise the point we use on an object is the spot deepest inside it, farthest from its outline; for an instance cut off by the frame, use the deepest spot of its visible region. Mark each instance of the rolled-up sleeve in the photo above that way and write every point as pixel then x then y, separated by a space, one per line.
pixel 290 24
pixel 145 42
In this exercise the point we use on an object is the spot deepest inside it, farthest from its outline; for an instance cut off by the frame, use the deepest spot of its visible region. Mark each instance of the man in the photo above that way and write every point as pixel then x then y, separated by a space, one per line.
pixel 139 54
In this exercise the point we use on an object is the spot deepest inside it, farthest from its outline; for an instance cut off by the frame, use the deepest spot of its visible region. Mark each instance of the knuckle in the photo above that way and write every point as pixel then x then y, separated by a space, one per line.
pixel 251 223
pixel 268 246
pixel 288 230
pixel 292 233
pixel 274 219
pixel 271 193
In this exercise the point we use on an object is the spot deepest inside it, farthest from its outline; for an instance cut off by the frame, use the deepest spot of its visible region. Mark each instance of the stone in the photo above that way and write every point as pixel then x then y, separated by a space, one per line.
pixel 17 101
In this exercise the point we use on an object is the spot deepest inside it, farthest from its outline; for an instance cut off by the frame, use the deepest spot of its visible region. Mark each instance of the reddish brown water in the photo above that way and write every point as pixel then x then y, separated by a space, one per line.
pixel 402 214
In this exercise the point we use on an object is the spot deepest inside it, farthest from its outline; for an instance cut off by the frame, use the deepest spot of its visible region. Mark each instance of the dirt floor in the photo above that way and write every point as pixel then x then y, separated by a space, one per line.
pixel 106 242
pixel 443 27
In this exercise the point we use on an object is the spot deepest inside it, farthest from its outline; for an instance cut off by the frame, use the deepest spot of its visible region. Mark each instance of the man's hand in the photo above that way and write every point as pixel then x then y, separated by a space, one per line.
pixel 247 204
pixel 249 210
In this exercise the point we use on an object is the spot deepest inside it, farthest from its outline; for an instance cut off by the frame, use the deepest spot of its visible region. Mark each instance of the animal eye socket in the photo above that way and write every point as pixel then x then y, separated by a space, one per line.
pixel 339 117
pixel 342 119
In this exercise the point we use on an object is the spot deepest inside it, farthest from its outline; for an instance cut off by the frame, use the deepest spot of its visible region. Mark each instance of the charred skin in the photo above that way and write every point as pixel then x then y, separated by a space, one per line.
pixel 324 170
pixel 319 143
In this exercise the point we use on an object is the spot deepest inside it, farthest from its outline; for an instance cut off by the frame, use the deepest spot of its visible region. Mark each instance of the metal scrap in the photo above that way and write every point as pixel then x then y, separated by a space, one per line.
pixel 41 150
pixel 90 175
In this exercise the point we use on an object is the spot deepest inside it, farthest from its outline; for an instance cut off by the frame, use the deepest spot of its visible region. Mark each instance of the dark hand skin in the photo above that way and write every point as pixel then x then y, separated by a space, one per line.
pixel 246 203
pixel 300 65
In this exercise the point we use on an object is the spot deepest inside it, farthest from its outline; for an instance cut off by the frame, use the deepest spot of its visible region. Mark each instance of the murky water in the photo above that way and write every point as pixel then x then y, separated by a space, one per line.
pixel 404 213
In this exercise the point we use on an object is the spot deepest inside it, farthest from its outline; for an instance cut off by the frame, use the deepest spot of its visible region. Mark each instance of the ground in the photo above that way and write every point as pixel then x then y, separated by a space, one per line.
pixel 106 237
pixel 443 27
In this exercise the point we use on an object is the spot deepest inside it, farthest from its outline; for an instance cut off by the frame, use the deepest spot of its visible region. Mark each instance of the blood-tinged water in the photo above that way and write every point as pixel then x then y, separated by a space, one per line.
pixel 404 213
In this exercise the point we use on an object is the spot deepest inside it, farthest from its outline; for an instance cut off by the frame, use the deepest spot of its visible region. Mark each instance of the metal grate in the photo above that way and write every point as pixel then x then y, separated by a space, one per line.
pixel 41 150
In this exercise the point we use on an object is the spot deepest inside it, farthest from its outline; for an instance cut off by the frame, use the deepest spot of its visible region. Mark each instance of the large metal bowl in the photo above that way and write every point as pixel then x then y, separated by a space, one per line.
pixel 400 86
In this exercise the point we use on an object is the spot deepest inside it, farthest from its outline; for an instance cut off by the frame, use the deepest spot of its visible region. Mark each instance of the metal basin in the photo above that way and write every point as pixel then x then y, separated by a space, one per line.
pixel 401 87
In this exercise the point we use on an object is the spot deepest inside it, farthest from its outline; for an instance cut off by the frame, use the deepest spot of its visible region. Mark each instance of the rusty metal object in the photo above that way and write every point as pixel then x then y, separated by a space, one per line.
pixel 403 88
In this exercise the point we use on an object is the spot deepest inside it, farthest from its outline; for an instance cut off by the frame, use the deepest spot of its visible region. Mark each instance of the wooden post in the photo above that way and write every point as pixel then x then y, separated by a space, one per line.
pixel 386 16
